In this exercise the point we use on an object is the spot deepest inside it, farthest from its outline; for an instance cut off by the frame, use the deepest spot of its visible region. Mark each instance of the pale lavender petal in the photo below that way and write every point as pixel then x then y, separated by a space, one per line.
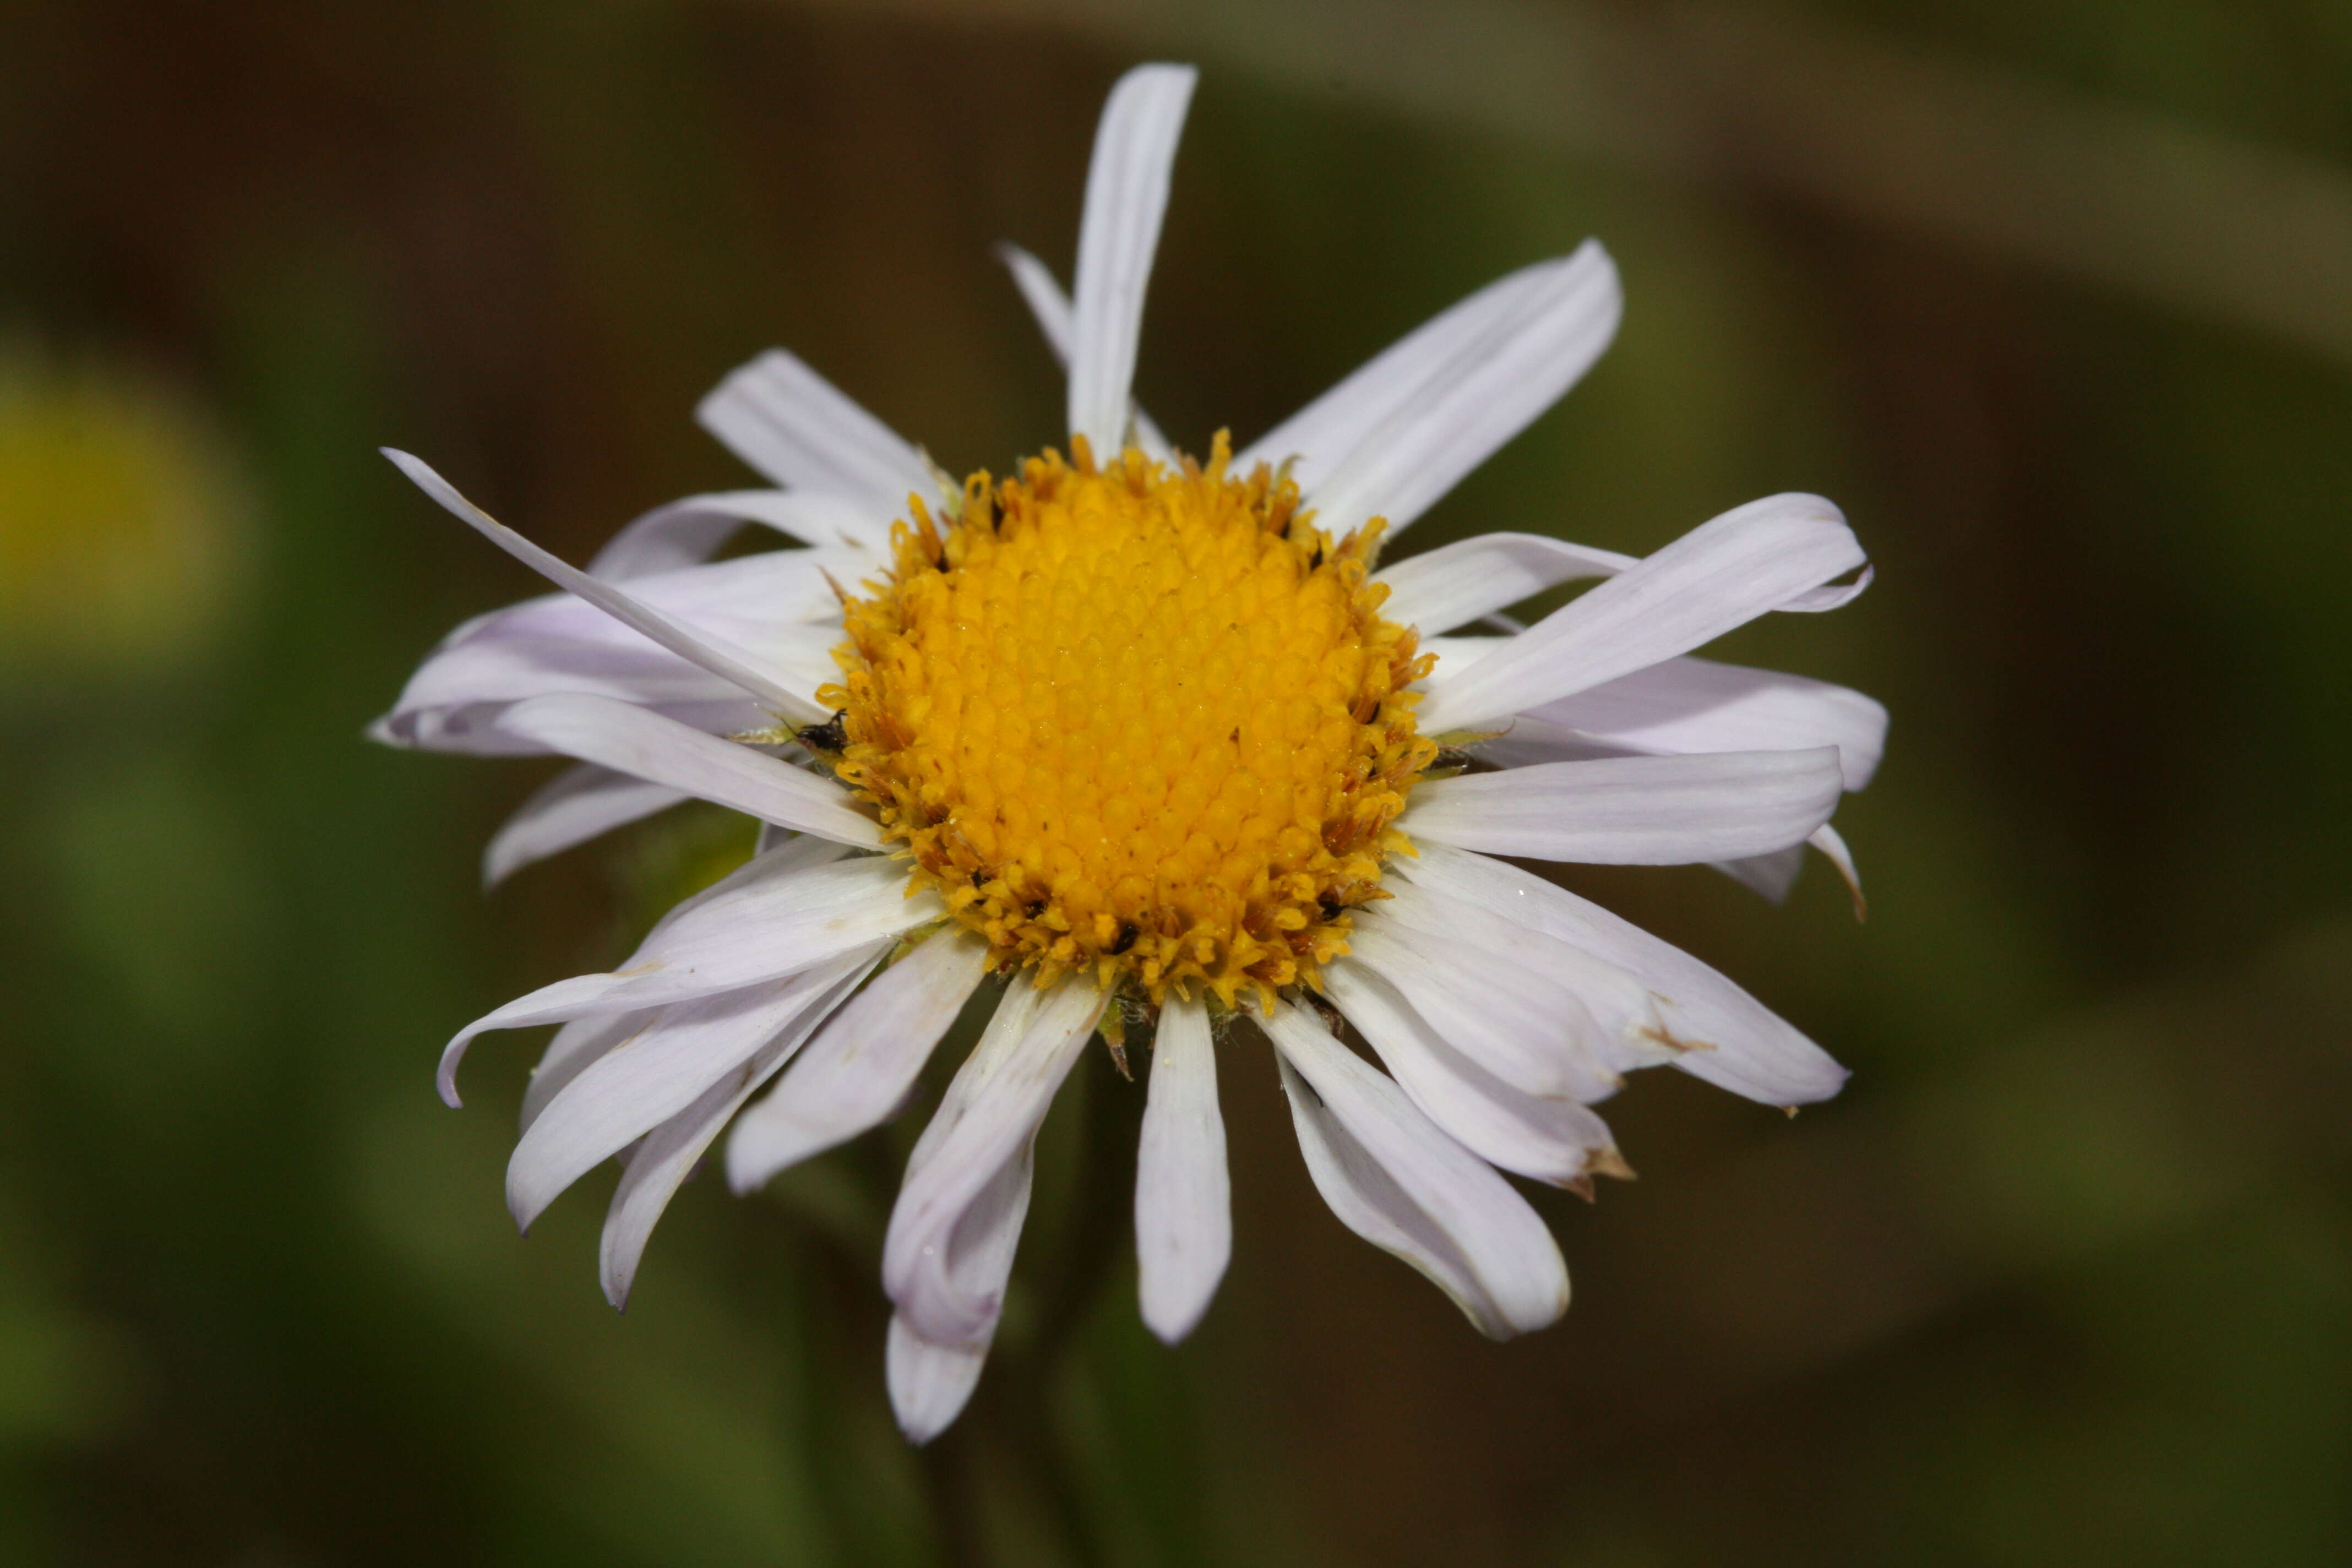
pixel 737 665
pixel 861 1067
pixel 1183 1208
pixel 669 1153
pixel 645 745
pixel 1718 576
pixel 657 1073
pixel 1485 391
pixel 1126 195
pixel 577 804
pixel 1729 1039
pixel 1457 584
pixel 798 428
pixel 984 1126
pixel 1635 811
pixel 1394 1178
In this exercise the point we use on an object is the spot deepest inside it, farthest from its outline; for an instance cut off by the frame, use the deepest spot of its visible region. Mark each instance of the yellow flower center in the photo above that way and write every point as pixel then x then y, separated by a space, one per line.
pixel 1143 721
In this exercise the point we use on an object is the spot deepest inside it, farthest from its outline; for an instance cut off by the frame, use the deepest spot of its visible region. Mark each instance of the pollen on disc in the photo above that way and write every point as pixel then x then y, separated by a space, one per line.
pixel 1143 721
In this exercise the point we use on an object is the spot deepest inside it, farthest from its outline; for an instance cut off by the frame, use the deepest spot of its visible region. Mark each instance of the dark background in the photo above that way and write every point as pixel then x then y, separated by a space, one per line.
pixel 2055 299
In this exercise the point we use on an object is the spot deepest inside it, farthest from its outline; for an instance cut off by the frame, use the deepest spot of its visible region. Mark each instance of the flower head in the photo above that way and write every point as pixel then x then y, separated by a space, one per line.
pixel 1155 738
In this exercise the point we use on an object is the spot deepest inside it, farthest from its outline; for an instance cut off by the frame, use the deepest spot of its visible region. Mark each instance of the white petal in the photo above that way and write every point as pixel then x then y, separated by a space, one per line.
pixel 1547 1138
pixel 576 1045
pixel 734 597
pixel 930 1379
pixel 1721 575
pixel 1635 811
pixel 579 804
pixel 1770 875
pixel 1698 705
pixel 654 1075
pixel 737 665
pixel 1487 391
pixel 1457 652
pixel 1044 296
pixel 1051 307
pixel 930 1383
pixel 805 433
pixel 643 745
pixel 859 1070
pixel 669 1153
pixel 1394 1178
pixel 1827 840
pixel 1624 1010
pixel 771 919
pixel 780 606
pixel 1456 585
pixel 1126 195
pixel 1315 438
pixel 1183 1208
pixel 1835 596
pixel 453 702
pixel 982 1128
pixel 688 532
pixel 1737 1042
pixel 1512 1021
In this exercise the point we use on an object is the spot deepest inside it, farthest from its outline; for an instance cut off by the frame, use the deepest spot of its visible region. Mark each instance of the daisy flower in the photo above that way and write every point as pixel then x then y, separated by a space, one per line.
pixel 1151 743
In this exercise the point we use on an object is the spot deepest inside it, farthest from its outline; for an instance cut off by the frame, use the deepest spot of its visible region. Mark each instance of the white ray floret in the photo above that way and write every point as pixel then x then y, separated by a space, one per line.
pixel 645 745
pixel 805 433
pixel 1469 403
pixel 1394 1177
pixel 1183 1210
pixel 1058 321
pixel 581 803
pixel 1714 579
pixel 1635 811
pixel 736 664
pixel 669 1152
pixel 947 1287
pixel 862 1067
pixel 1127 196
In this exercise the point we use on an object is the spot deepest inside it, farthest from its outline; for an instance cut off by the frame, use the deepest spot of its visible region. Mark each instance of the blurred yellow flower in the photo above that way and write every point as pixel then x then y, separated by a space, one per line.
pixel 121 521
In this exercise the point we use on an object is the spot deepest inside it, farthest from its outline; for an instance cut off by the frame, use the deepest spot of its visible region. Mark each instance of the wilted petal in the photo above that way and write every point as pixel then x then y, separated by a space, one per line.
pixel 982 1128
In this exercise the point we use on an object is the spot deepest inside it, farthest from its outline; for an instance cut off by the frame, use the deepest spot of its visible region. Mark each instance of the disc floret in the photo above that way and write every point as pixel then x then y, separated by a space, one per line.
pixel 1143 720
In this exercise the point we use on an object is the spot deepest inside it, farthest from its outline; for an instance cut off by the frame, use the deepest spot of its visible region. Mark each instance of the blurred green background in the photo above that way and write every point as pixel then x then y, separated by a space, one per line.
pixel 2055 299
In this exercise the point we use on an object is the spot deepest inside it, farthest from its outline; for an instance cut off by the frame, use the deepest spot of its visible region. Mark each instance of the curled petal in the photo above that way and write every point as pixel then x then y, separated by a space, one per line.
pixel 1394 1178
